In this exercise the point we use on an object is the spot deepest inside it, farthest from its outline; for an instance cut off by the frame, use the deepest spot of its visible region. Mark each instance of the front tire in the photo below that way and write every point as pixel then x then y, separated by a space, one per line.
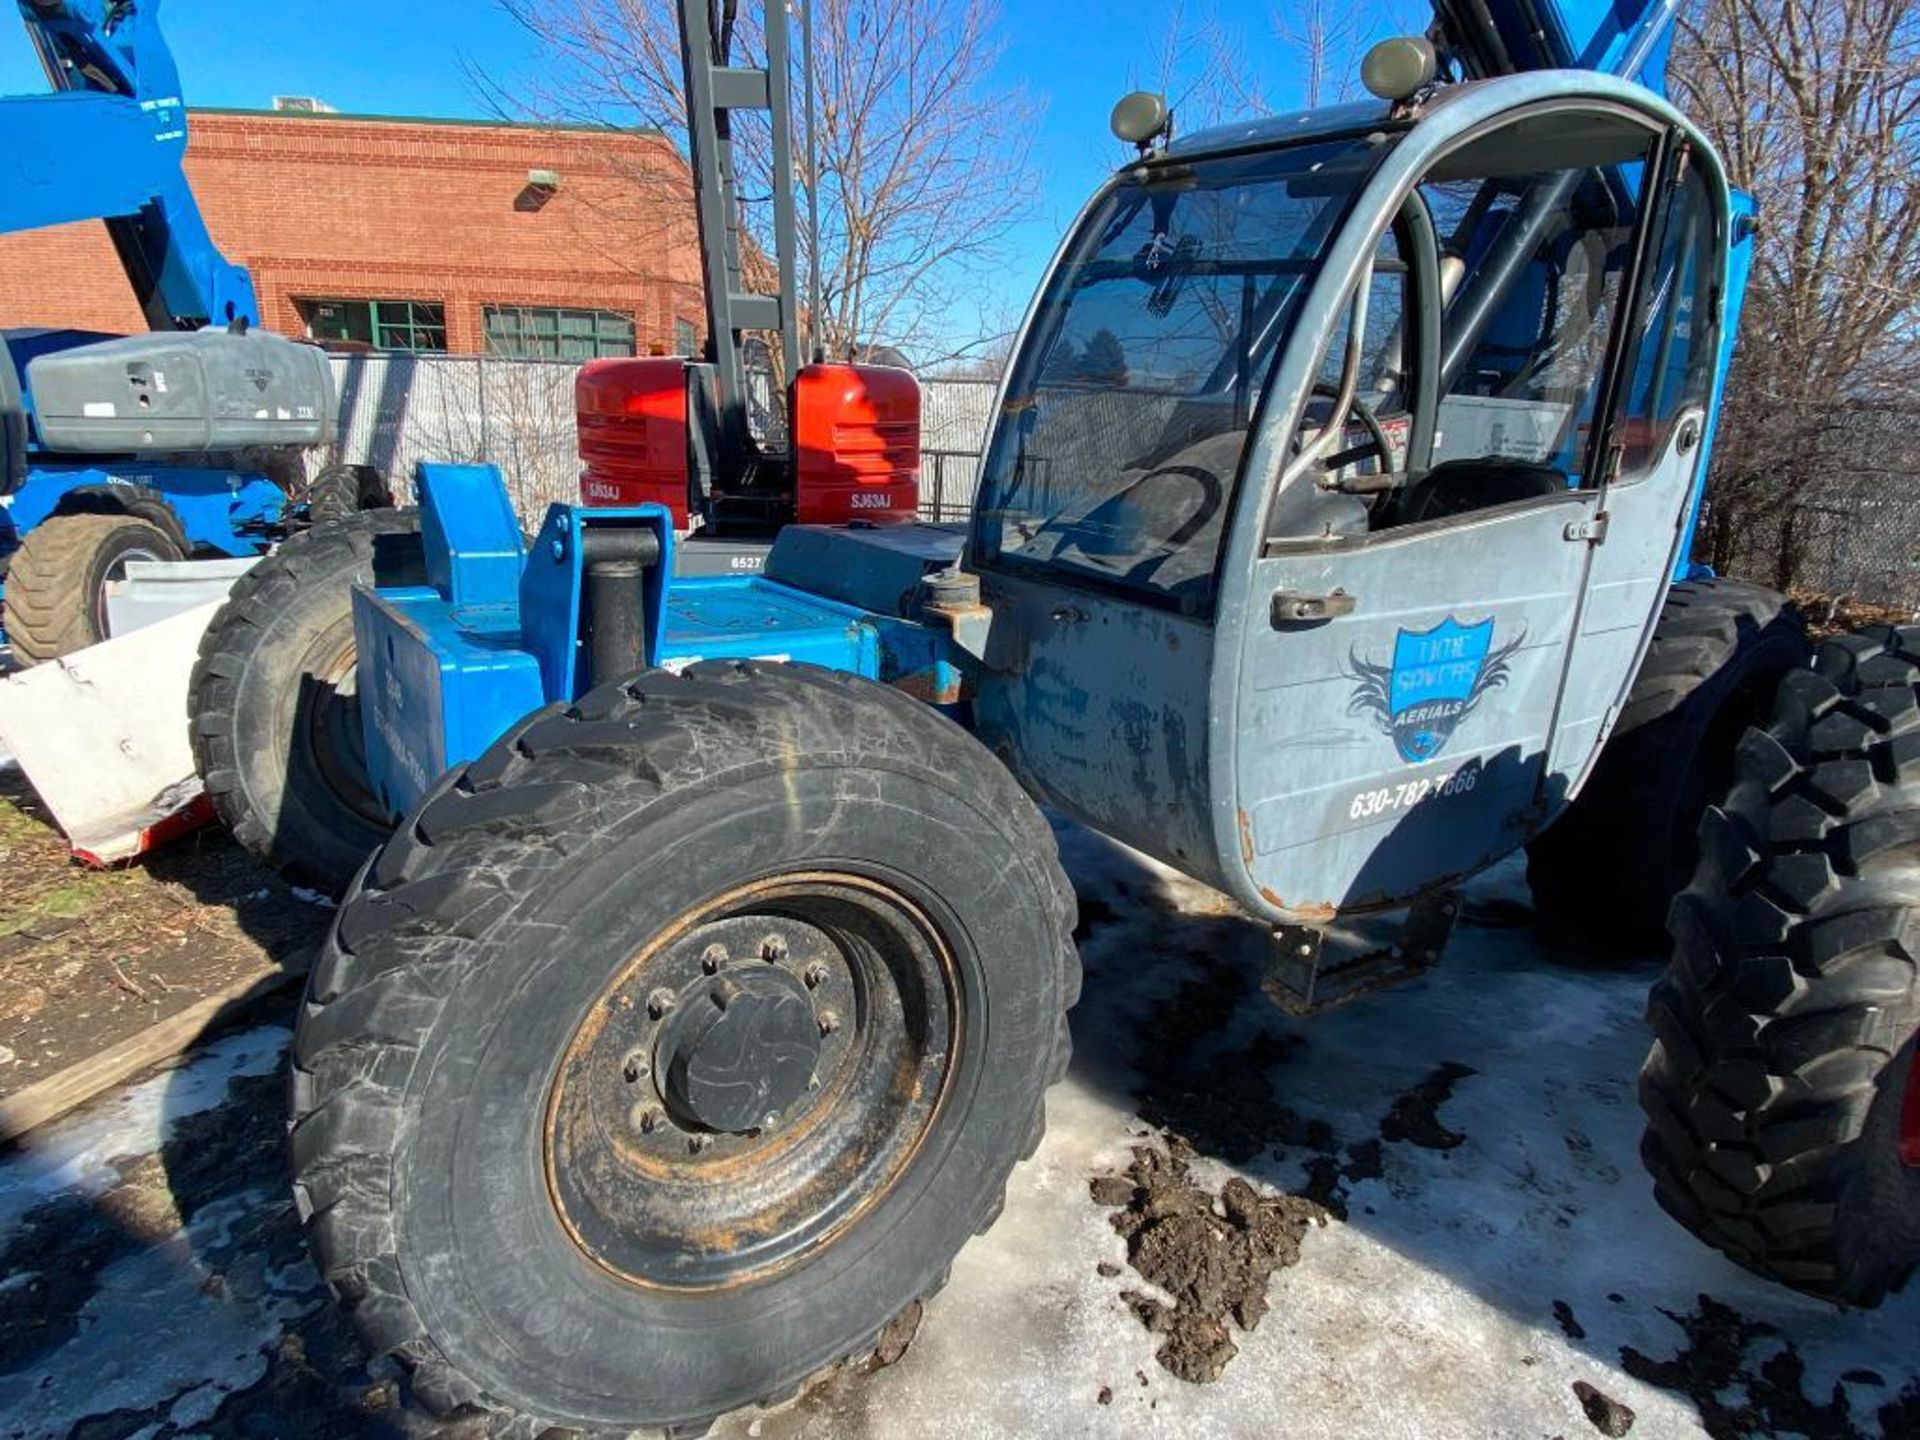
pixel 1783 1109
pixel 530 1158
pixel 56 586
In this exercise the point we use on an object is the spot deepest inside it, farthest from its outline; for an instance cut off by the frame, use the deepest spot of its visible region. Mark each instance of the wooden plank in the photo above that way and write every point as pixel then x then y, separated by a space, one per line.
pixel 72 1087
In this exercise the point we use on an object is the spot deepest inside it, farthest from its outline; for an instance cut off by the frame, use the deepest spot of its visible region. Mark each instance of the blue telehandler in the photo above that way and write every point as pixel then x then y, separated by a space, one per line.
pixel 1331 544
pixel 178 443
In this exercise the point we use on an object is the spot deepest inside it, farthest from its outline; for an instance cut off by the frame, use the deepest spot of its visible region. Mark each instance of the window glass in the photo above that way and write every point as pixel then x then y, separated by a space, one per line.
pixel 377 324
pixel 409 325
pixel 529 332
pixel 348 322
pixel 1677 348
pixel 1529 347
pixel 1531 258
pixel 1129 405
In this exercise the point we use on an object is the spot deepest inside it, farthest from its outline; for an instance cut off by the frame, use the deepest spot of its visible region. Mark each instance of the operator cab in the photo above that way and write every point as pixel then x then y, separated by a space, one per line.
pixel 1363 443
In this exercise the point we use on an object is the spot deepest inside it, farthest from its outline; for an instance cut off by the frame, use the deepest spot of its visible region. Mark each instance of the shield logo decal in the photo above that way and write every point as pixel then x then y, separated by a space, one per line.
pixel 1436 679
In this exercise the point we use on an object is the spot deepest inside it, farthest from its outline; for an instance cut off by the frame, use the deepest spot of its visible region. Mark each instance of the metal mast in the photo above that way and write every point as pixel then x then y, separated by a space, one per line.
pixel 715 89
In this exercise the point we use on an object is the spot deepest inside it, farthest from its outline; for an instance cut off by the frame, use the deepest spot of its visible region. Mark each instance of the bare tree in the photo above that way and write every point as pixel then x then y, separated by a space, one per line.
pixel 921 162
pixel 1327 41
pixel 1815 104
pixel 1305 54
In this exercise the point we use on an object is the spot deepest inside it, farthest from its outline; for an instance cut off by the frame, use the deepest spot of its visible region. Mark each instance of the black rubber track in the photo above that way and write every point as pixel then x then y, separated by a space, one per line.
pixel 1784 1027
pixel 54 579
pixel 1606 870
pixel 251 692
pixel 493 833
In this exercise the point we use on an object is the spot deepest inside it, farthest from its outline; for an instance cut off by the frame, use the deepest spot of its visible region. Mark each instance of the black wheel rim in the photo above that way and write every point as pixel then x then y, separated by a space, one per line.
pixel 752 1081
pixel 330 725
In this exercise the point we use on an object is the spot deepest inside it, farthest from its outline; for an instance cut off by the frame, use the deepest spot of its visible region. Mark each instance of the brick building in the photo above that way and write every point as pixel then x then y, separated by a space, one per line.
pixel 404 234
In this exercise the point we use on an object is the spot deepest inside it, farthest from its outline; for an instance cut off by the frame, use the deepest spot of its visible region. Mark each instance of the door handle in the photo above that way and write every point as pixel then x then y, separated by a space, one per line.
pixel 1291 608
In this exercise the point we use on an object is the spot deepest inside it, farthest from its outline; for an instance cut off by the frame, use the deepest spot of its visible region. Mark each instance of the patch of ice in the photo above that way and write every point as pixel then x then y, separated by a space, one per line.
pixel 159 1331
pixel 76 1153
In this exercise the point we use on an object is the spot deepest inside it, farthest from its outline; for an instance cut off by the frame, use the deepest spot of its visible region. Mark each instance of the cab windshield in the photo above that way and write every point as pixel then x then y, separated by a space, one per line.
pixel 1129 405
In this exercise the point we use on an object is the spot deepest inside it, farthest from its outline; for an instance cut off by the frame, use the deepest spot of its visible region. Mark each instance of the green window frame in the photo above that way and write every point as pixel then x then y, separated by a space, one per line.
pixel 547 332
pixel 408 325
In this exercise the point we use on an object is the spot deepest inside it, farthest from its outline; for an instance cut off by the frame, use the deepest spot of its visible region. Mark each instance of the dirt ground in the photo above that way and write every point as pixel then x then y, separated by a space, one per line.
pixel 90 957
pixel 1836 614
pixel 1419 1216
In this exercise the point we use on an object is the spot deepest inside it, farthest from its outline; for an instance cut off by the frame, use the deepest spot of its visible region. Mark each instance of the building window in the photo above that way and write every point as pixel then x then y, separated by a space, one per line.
pixel 685 338
pixel 530 332
pixel 377 324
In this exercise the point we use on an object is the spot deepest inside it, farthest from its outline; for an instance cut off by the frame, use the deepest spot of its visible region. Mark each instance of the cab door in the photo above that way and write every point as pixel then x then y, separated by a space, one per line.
pixel 1397 705
pixel 1655 452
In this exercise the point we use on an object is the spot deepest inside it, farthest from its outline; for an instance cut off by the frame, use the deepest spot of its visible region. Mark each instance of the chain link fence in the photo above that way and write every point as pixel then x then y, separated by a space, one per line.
pixel 1855 533
pixel 397 410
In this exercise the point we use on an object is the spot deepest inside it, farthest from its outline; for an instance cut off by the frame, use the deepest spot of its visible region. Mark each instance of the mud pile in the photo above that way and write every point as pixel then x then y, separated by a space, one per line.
pixel 1212 1254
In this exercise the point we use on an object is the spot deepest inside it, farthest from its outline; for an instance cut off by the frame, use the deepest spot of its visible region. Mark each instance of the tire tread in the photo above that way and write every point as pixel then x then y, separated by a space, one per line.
pixel 683 729
pixel 1793 981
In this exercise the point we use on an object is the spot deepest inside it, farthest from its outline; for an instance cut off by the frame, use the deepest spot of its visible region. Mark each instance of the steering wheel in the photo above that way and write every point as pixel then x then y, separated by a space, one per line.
pixel 1376 442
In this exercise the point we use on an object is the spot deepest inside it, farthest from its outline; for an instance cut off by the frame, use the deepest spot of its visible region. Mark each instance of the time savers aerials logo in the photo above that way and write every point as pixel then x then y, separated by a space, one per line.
pixel 1437 679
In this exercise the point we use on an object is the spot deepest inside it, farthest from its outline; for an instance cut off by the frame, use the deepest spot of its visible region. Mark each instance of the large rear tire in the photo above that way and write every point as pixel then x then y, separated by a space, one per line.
pixel 530 1157
pixel 275 719
pixel 1783 1107
pixel 56 586
pixel 1606 870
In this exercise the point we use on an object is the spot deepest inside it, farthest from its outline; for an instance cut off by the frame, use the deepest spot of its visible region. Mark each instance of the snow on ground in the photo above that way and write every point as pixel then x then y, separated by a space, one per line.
pixel 1429 1312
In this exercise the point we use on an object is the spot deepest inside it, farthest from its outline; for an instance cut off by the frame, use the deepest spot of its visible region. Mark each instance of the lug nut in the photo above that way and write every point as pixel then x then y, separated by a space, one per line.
pixel 816 975
pixel 659 1002
pixel 634 1068
pixel 696 1143
pixel 773 949
pixel 724 993
pixel 646 1119
pixel 829 1021
pixel 769 1120
pixel 712 958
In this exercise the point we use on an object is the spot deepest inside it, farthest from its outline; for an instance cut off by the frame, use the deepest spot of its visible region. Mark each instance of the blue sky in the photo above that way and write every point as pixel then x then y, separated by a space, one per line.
pixel 418 58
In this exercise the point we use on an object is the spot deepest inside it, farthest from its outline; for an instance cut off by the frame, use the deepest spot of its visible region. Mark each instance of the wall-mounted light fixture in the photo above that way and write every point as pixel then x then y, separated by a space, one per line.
pixel 542 186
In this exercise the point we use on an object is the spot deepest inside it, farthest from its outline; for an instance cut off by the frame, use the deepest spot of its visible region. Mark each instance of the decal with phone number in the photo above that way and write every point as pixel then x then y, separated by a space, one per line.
pixel 1389 798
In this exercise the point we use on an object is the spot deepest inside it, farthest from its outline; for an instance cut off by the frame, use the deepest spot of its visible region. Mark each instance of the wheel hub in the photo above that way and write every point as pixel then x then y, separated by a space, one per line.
pixel 738 1050
pixel 754 1077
